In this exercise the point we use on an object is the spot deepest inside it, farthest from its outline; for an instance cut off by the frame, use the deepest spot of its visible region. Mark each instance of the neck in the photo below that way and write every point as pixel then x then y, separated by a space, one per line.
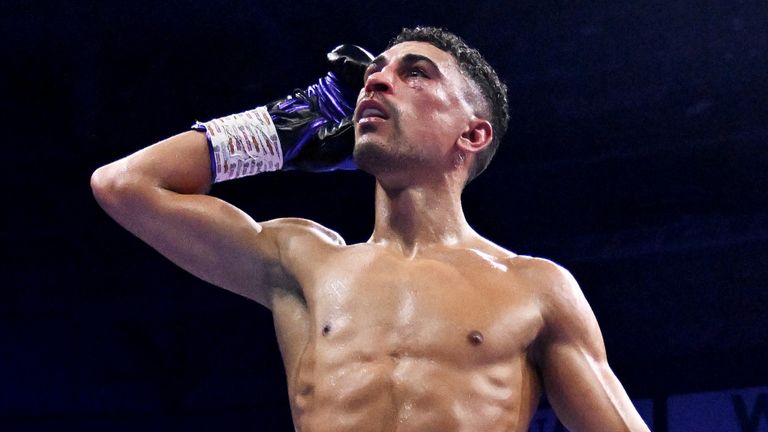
pixel 417 216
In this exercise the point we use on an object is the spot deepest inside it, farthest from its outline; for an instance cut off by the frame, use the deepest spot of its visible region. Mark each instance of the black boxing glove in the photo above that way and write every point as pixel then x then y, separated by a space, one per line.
pixel 309 130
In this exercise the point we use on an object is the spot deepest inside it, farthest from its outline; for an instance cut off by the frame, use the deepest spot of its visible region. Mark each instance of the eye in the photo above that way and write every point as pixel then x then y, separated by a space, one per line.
pixel 416 72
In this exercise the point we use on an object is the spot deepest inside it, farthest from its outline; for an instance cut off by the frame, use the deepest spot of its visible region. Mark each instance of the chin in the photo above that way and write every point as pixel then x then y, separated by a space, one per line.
pixel 371 156
pixel 386 163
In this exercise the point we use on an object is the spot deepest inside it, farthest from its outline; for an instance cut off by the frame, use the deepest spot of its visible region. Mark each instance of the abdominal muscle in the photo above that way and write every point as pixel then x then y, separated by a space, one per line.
pixel 395 392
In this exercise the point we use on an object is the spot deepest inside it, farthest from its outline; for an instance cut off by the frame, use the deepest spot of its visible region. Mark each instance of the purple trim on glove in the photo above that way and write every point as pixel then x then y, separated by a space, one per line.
pixel 348 164
pixel 330 98
pixel 291 106
pixel 306 135
pixel 200 127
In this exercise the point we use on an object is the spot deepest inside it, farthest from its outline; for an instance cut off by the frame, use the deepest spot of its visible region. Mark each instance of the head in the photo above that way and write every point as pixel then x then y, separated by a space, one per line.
pixel 460 97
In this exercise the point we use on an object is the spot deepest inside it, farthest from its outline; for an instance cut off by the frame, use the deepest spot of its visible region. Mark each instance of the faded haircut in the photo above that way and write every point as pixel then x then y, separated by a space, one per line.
pixel 494 107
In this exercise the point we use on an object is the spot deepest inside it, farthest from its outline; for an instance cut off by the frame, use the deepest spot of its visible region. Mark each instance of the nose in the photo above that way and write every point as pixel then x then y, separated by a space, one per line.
pixel 377 82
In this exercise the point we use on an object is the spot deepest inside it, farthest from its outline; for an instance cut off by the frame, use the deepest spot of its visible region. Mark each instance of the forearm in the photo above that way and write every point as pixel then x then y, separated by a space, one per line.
pixel 180 164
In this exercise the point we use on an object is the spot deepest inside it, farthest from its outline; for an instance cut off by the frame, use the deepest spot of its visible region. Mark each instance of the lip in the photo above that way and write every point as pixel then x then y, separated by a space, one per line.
pixel 370 104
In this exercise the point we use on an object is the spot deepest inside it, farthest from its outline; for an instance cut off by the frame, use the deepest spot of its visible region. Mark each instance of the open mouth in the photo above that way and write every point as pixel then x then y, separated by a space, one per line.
pixel 370 110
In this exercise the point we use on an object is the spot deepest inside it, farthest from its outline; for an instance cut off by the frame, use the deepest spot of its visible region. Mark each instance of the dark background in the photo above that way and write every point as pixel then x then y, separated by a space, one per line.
pixel 636 157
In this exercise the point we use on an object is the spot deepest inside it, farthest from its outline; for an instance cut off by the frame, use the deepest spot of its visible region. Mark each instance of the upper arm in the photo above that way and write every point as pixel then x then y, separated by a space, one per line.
pixel 580 385
pixel 156 194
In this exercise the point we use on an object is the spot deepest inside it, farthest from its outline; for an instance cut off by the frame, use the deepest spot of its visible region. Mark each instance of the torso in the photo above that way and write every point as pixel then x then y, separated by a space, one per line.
pixel 374 341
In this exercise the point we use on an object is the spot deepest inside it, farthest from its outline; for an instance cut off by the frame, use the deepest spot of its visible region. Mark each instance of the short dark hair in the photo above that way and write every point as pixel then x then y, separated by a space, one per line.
pixel 476 68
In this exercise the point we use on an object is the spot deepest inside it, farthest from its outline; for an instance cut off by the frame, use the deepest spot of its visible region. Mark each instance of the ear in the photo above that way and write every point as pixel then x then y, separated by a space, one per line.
pixel 477 136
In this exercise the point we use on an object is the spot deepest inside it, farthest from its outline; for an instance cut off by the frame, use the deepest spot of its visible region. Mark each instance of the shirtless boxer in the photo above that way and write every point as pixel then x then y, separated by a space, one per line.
pixel 427 326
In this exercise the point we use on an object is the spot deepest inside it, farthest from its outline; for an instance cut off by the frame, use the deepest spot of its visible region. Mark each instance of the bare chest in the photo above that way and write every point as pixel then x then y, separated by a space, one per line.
pixel 384 343
pixel 457 309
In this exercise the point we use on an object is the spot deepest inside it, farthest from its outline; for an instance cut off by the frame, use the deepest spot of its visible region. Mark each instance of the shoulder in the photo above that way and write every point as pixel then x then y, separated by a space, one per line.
pixel 547 280
pixel 560 299
pixel 546 277
pixel 536 273
pixel 539 273
pixel 566 313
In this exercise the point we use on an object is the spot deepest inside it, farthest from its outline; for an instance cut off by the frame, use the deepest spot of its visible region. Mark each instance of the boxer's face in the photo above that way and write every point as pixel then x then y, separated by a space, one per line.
pixel 412 109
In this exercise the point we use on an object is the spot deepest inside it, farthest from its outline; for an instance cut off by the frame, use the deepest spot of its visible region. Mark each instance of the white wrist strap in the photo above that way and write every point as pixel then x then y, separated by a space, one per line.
pixel 242 144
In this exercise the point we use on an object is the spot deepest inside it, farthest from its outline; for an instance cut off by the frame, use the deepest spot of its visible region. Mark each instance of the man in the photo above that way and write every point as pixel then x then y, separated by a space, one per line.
pixel 425 327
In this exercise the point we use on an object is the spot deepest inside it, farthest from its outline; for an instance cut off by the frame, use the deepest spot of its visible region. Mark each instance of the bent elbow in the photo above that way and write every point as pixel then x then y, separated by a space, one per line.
pixel 100 184
pixel 110 186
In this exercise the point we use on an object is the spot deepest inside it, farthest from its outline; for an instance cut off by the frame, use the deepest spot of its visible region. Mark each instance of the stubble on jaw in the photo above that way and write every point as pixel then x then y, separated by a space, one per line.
pixel 375 156
pixel 374 153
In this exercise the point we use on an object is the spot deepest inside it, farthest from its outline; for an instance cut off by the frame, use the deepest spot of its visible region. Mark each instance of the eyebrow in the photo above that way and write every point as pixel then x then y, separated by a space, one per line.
pixel 408 59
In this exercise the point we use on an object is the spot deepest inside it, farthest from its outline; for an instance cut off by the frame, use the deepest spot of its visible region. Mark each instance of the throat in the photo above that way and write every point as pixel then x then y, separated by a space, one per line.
pixel 415 217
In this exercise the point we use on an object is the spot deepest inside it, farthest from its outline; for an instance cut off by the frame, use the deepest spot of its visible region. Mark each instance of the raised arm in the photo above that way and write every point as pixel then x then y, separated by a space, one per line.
pixel 157 194
pixel 581 387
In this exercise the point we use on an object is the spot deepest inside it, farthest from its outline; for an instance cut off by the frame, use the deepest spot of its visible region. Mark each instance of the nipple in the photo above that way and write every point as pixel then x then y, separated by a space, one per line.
pixel 475 337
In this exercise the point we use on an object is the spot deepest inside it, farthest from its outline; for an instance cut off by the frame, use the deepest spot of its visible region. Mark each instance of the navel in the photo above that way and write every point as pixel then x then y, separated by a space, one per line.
pixel 475 337
pixel 326 329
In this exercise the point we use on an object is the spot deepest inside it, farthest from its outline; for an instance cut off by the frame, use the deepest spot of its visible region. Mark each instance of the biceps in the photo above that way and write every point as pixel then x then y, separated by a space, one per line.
pixel 575 383
pixel 584 391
